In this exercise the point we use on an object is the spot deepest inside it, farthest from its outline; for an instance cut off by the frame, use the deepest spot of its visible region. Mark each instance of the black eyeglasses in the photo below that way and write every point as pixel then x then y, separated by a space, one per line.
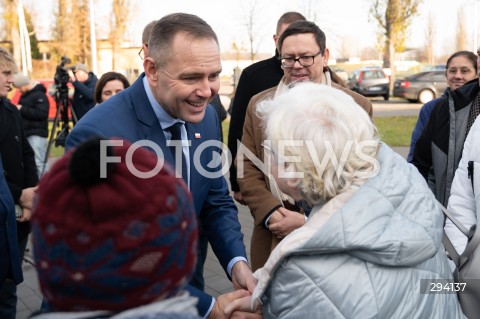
pixel 140 53
pixel 305 61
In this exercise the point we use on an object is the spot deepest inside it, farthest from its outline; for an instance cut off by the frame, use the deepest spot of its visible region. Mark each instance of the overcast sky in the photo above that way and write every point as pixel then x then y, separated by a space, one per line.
pixel 345 22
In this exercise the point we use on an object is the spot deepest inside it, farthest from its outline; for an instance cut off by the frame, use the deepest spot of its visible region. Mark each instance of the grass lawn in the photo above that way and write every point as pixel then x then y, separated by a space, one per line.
pixel 394 131
pixel 54 150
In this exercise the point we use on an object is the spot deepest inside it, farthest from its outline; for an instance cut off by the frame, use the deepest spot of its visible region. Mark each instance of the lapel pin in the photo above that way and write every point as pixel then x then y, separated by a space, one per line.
pixel 197 135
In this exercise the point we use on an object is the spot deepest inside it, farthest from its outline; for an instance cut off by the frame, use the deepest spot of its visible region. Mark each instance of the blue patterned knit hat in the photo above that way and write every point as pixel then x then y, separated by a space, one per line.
pixel 114 243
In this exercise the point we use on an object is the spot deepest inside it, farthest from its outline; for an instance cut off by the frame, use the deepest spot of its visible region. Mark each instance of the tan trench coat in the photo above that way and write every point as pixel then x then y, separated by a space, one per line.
pixel 254 185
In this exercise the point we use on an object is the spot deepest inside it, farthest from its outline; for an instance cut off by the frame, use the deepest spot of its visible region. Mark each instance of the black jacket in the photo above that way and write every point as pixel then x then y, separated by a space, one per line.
pixel 254 79
pixel 439 148
pixel 34 111
pixel 83 99
pixel 17 156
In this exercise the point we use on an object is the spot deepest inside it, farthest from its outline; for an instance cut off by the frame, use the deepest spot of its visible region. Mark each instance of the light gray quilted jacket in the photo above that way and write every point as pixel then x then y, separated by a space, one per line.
pixel 368 258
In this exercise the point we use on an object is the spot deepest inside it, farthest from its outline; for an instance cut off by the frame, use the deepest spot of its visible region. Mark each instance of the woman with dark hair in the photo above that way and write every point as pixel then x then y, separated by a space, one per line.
pixel 108 85
pixel 461 68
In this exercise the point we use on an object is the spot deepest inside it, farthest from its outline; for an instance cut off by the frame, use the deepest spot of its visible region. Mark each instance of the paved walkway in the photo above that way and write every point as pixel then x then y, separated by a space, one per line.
pixel 30 296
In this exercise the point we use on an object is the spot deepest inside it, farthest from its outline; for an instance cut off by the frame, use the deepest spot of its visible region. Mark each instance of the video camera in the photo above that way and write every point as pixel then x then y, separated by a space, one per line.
pixel 61 77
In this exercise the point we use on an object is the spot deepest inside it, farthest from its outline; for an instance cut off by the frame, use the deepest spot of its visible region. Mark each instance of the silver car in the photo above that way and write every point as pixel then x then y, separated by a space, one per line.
pixel 370 82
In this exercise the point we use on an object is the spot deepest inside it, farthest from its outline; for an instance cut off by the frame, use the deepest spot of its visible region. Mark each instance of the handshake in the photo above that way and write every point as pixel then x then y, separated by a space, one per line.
pixel 236 304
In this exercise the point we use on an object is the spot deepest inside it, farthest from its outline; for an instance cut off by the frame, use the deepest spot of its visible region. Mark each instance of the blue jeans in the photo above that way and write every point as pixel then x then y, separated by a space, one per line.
pixel 8 293
pixel 39 145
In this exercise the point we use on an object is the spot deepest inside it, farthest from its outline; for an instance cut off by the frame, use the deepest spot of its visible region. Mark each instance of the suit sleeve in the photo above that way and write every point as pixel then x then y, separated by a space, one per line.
pixel 253 184
pixel 204 300
pixel 240 102
pixel 81 133
pixel 219 221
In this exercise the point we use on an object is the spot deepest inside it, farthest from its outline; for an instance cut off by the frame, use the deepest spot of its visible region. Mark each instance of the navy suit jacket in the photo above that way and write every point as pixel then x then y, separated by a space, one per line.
pixel 129 115
pixel 10 264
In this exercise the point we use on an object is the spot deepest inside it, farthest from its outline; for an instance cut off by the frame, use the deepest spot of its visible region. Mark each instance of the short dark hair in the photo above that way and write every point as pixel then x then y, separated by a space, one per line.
pixel 146 32
pixel 104 79
pixel 472 57
pixel 165 30
pixel 288 18
pixel 302 27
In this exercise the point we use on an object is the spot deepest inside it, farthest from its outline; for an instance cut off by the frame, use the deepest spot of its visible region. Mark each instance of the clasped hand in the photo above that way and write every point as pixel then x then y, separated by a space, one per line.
pixel 236 304
pixel 283 221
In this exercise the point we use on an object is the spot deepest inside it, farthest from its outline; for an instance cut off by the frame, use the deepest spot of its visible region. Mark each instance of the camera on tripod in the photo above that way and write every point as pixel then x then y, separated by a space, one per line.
pixel 61 77
pixel 64 107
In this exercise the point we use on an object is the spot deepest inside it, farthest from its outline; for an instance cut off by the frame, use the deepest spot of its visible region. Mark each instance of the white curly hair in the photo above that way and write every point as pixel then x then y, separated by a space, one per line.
pixel 338 141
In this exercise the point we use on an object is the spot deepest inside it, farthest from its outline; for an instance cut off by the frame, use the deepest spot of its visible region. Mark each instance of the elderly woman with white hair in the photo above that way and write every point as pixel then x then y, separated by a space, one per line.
pixel 371 247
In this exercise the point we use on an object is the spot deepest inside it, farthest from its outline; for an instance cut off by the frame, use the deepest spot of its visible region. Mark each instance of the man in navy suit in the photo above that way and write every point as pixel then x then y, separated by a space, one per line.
pixel 182 75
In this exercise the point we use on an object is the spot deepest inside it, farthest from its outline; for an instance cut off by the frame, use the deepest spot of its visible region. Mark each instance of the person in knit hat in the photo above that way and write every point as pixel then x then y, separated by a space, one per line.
pixel 34 108
pixel 119 242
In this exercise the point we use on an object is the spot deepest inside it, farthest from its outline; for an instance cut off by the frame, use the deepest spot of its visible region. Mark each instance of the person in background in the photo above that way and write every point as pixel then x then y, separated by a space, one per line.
pixel 461 68
pixel 84 83
pixel 220 110
pixel 145 37
pixel 34 107
pixel 118 245
pixel 439 148
pixel 373 241
pixel 20 170
pixel 464 202
pixel 304 57
pixel 10 264
pixel 108 85
pixel 254 79
pixel 170 102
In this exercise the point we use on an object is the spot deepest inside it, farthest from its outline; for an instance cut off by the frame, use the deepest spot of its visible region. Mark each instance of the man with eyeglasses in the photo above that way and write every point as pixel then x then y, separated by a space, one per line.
pixel 254 79
pixel 304 57
pixel 143 53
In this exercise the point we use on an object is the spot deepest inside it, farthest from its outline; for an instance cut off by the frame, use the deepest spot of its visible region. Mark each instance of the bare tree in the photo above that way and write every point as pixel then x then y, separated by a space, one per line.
pixel 430 35
pixel 81 15
pixel 461 32
pixel 71 30
pixel 10 26
pixel 250 25
pixel 118 26
pixel 394 17
pixel 63 33
pixel 252 21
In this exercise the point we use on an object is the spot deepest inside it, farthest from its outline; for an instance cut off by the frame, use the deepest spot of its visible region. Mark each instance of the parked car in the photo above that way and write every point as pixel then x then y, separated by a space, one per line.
pixel 421 87
pixel 370 81
pixel 51 89
pixel 342 74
